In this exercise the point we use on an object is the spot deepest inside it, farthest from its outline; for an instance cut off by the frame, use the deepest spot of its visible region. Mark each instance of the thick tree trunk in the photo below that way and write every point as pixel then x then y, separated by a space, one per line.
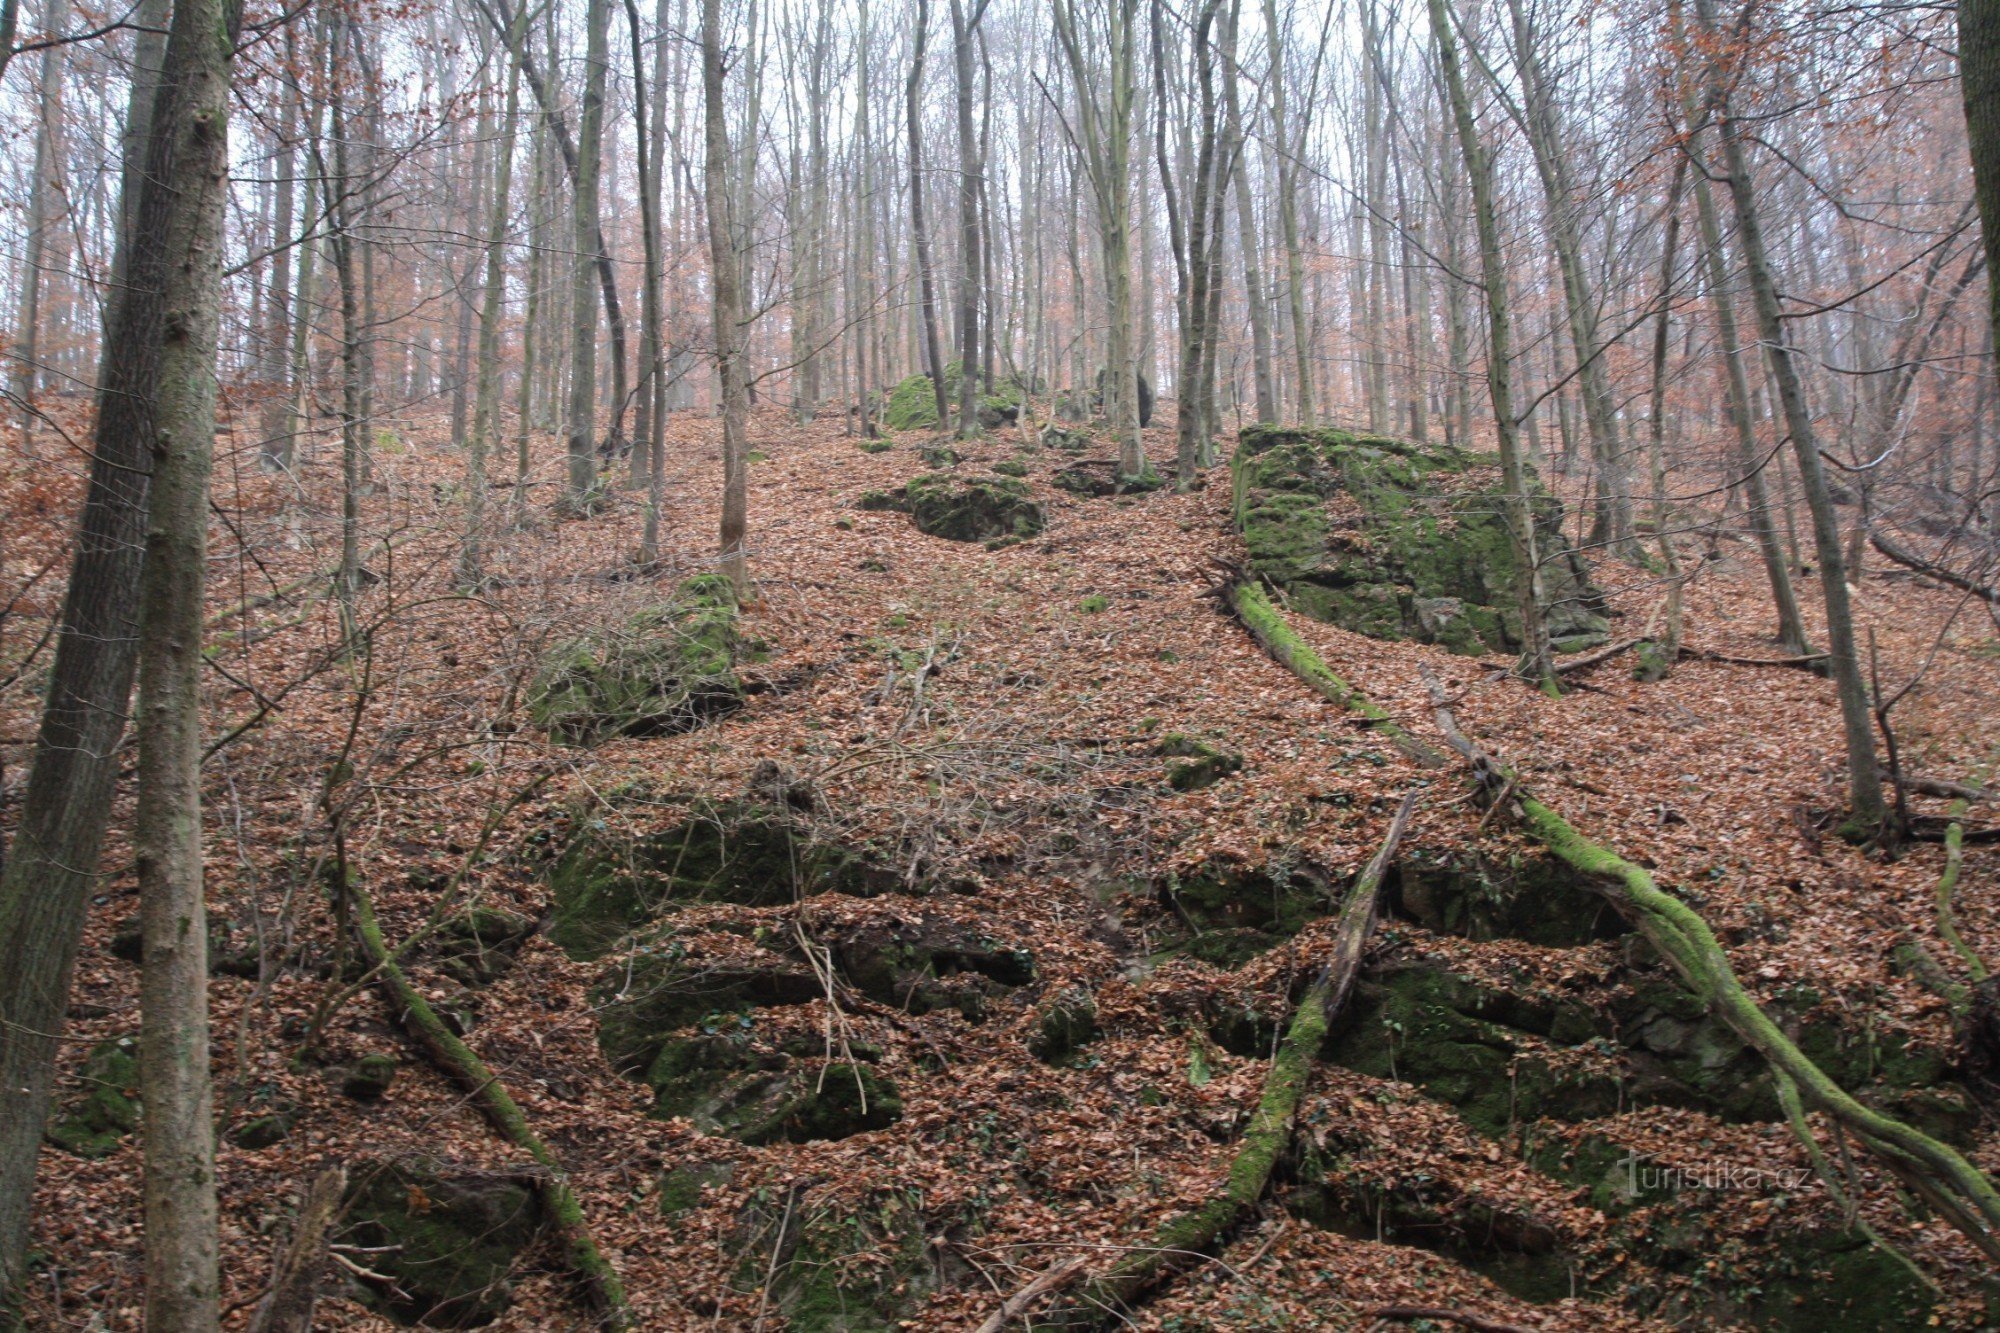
pixel 1979 78
pixel 51 869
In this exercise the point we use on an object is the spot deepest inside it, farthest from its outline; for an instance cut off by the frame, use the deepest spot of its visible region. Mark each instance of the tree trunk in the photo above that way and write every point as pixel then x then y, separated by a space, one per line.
pixel 181 1236
pixel 913 100
pixel 580 426
pixel 1868 809
pixel 1288 214
pixel 727 317
pixel 51 869
pixel 1535 661
pixel 1979 78
pixel 44 194
pixel 1791 624
pixel 486 406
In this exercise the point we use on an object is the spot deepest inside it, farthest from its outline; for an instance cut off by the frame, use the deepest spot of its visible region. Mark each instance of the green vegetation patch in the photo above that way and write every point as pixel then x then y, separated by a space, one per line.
pixel 668 669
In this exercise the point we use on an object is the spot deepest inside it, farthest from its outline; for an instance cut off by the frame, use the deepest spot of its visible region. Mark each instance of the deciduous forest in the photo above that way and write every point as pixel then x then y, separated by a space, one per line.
pixel 999 664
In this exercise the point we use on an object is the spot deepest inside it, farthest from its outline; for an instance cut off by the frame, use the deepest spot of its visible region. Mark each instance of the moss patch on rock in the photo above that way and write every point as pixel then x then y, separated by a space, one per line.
pixel 1402 541
pixel 645 1001
pixel 929 963
pixel 94 1122
pixel 1196 764
pixel 976 509
pixel 610 881
pixel 446 1237
pixel 669 668
pixel 1537 899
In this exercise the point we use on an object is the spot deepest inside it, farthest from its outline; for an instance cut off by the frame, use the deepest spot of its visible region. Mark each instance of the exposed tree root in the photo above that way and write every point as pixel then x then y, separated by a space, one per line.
pixel 1189 1235
pixel 1278 639
pixel 1955 1188
pixel 463 1065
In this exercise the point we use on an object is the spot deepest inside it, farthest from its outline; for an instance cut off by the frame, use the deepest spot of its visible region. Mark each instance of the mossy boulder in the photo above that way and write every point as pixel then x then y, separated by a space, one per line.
pixel 446 1237
pixel 1482 1050
pixel 1064 1022
pixel 1403 541
pixel 929 963
pixel 476 945
pixel 647 1001
pixel 369 1078
pixel 682 1187
pixel 1537 899
pixel 842 1267
pixel 1063 438
pixel 912 403
pixel 728 1083
pixel 977 509
pixel 668 669
pixel 613 879
pixel 94 1122
pixel 1196 764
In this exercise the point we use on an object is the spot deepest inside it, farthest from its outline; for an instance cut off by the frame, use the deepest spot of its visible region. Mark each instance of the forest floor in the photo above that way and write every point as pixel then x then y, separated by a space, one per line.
pixel 989 720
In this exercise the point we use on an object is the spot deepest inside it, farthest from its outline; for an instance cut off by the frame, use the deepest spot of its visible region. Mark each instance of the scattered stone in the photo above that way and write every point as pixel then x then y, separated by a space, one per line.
pixel 1197 764
pixel 980 509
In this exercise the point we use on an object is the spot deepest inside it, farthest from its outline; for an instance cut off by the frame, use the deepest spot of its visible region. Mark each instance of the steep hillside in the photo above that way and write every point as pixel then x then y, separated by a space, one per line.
pixel 927 922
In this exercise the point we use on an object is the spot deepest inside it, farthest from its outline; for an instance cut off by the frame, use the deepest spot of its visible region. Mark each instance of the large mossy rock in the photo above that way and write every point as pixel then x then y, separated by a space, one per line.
pixel 1402 541
pixel 912 404
pixel 646 1001
pixel 610 880
pixel 95 1122
pixel 928 963
pixel 843 1267
pixel 446 1237
pixel 669 668
pixel 976 509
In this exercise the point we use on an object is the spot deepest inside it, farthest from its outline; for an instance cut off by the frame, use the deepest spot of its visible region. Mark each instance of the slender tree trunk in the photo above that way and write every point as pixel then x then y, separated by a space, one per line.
pixel 277 444
pixel 727 306
pixel 1246 234
pixel 486 406
pixel 1979 78
pixel 44 196
pixel 1868 809
pixel 1536 664
pixel 1288 213
pixel 182 1236
pixel 963 28
pixel 580 426
pixel 913 99
pixel 1791 623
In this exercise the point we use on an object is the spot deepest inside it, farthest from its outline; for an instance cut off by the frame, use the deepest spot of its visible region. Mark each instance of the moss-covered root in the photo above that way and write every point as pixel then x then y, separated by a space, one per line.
pixel 471 1073
pixel 1190 1234
pixel 1954 1187
pixel 1268 627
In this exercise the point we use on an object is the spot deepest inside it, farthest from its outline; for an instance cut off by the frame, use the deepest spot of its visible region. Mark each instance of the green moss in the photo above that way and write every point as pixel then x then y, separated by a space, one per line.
pixel 1093 604
pixel 939 456
pixel 95 1123
pixel 876 446
pixel 669 668
pixel 645 1003
pixel 976 509
pixel 912 405
pixel 1423 553
pixel 1537 899
pixel 447 1239
pixel 609 882
pixel 1065 1021
pixel 369 1078
pixel 1197 764
pixel 681 1188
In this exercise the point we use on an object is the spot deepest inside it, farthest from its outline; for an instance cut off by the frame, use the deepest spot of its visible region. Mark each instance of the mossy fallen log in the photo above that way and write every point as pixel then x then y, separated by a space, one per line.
pixel 1954 1187
pixel 1267 626
pixel 1185 1237
pixel 464 1067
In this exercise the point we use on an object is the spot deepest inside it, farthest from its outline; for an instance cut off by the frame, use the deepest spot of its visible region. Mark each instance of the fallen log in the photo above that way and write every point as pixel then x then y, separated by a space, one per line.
pixel 1290 651
pixel 1591 659
pixel 1954 1187
pixel 463 1066
pixel 1910 560
pixel 1187 1237
pixel 1054 1278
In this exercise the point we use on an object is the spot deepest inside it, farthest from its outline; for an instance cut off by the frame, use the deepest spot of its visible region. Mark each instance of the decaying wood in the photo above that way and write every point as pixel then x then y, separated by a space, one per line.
pixel 288 1306
pixel 484 1089
pixel 1956 1188
pixel 1187 1236
pixel 1910 560
pixel 1051 1279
